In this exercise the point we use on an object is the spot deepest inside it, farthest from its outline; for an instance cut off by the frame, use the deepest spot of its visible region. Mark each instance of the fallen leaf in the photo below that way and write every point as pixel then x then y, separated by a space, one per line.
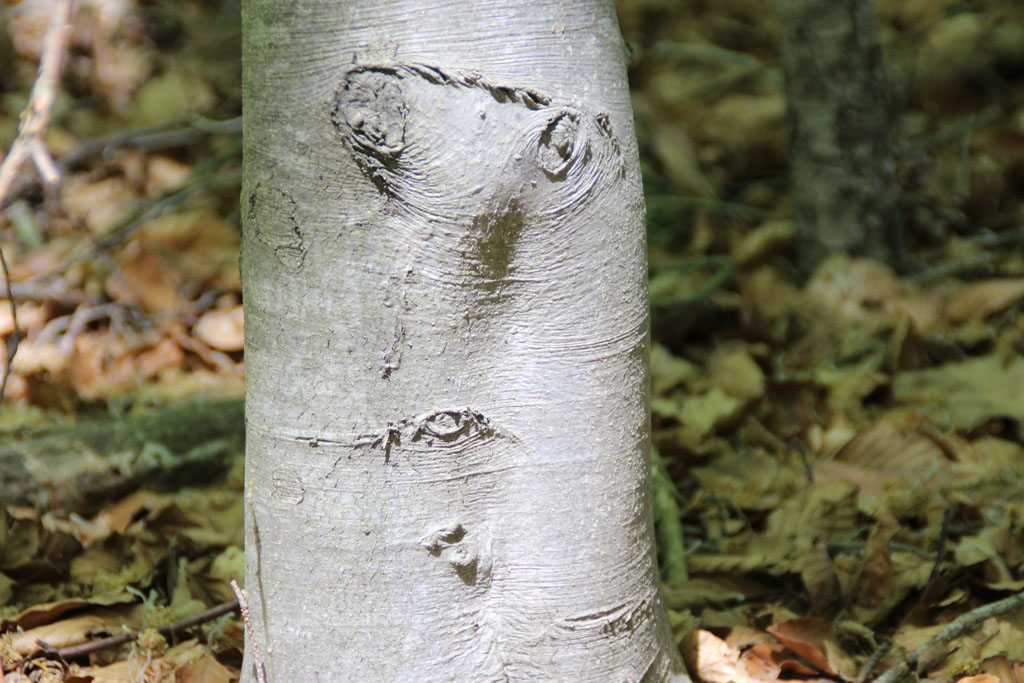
pixel 222 329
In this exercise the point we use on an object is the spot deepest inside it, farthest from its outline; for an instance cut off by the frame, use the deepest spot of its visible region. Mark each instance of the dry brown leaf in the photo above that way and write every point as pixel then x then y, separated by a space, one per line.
pixel 978 300
pixel 112 519
pixel 98 204
pixel 965 395
pixel 669 371
pixel 895 463
pixel 874 580
pixel 164 174
pixel 895 441
pixel 96 623
pixel 34 357
pixel 206 669
pixel 145 279
pixel 829 512
pixel 202 246
pixel 704 413
pixel 820 580
pixel 30 316
pixel 999 637
pixel 47 612
pixel 767 291
pixel 994 455
pixel 164 356
pixel 996 552
pixel 101 366
pixel 719 662
pixel 770 237
pixel 674 149
pixel 139 667
pixel 811 639
pixel 868 292
pixel 1005 669
pixel 121 515
pixel 750 127
pixel 222 329
pixel 735 372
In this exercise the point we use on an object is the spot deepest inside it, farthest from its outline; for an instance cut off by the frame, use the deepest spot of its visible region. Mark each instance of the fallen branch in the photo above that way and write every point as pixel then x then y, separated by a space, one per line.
pixel 75 467
pixel 30 144
pixel 166 631
pixel 160 136
pixel 35 120
pixel 960 626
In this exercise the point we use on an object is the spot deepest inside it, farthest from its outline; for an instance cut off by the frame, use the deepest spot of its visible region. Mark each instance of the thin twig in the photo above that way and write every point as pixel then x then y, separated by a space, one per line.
pixel 29 144
pixel 115 641
pixel 960 626
pixel 36 118
pixel 160 136
pixel 872 662
pixel 56 291
pixel 17 334
pixel 243 604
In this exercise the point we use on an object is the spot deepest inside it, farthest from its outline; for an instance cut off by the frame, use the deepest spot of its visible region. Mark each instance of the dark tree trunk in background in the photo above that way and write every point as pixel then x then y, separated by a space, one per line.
pixel 841 156
pixel 446 346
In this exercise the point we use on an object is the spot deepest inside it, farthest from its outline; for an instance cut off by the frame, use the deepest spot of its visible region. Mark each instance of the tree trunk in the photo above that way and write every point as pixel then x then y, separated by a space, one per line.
pixel 446 346
pixel 841 157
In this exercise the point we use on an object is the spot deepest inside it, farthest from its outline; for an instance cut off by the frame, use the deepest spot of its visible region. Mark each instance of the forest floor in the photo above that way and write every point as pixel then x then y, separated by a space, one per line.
pixel 839 481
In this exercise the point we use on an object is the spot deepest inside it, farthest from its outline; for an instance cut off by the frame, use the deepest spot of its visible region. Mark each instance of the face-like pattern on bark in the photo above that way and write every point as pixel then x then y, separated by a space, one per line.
pixel 473 167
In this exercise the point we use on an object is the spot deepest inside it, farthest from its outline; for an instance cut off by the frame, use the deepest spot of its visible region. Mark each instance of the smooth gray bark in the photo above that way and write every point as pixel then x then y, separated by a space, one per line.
pixel 446 346
pixel 841 156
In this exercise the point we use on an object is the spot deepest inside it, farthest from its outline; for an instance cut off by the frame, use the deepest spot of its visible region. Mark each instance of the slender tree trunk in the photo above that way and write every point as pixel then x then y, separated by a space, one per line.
pixel 841 156
pixel 446 346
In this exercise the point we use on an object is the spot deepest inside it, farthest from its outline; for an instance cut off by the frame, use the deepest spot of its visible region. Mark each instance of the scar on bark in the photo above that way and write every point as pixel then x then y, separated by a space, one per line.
pixel 449 426
pixel 370 111
pixel 498 233
pixel 391 358
pixel 620 618
pixel 272 216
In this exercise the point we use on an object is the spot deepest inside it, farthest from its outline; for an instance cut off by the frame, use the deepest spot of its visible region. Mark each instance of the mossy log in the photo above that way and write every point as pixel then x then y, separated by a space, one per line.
pixel 78 467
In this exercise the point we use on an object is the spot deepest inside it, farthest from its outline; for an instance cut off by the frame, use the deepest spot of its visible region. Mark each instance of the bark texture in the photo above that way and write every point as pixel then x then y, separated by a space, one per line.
pixel 841 156
pixel 446 346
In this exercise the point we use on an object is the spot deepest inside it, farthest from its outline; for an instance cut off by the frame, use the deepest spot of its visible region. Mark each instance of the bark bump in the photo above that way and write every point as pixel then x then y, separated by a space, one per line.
pixel 372 107
pixel 554 154
pixel 469 554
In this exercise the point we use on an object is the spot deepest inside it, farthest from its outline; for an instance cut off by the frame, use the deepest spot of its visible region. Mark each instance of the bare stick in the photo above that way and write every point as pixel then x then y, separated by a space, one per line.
pixel 243 605
pixel 962 625
pixel 36 118
pixel 872 662
pixel 114 641
pixel 16 334
pixel 30 145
